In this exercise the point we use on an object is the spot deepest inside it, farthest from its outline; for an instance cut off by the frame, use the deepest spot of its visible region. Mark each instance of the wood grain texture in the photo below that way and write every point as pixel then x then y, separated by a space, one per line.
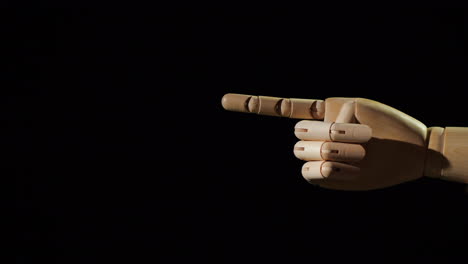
pixel 455 150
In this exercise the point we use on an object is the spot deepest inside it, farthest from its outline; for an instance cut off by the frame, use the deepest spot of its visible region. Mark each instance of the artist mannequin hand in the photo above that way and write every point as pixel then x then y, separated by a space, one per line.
pixel 358 144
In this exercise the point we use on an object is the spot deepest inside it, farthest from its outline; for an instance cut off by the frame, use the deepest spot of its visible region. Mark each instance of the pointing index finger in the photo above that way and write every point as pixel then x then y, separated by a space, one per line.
pixel 275 106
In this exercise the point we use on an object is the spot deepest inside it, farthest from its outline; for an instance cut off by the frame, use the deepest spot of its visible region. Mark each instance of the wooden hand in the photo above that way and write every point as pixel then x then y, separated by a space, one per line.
pixel 358 144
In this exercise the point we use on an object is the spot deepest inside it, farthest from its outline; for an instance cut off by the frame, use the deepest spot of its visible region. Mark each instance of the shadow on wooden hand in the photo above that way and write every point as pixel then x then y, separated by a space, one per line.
pixel 387 163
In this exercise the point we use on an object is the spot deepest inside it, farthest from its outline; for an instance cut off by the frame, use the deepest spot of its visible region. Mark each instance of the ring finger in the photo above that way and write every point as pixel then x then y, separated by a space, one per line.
pixel 330 151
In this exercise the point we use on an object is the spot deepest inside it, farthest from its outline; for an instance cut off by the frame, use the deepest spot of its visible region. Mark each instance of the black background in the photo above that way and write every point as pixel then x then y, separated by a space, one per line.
pixel 121 150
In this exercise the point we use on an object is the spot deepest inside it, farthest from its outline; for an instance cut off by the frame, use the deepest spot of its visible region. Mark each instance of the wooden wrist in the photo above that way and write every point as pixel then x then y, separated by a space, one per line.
pixel 447 154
